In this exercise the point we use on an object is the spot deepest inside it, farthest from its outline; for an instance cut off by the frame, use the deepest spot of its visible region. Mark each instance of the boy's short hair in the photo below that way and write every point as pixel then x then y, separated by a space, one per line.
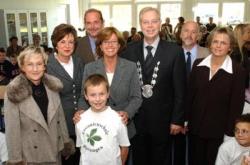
pixel 2 50
pixel 245 118
pixel 95 80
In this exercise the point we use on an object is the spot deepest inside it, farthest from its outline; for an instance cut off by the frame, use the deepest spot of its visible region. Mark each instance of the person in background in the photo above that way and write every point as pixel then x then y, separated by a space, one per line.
pixel 198 20
pixel 86 48
pixel 36 131
pixel 235 151
pixel 112 142
pixel 69 69
pixel 15 67
pixel 125 35
pixel 5 68
pixel 211 110
pixel 133 35
pixel 162 74
pixel 204 34
pixel 177 29
pixel 210 25
pixel 36 39
pixel 14 48
pixel 166 30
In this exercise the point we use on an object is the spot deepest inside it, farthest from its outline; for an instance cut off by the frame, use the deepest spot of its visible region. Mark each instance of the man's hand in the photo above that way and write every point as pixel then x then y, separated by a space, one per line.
pixel 245 160
pixel 175 129
pixel 124 116
pixel 77 116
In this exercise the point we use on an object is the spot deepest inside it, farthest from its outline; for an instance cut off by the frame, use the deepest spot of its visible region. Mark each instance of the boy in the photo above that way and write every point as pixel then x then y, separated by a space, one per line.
pixel 100 133
pixel 236 150
pixel 5 68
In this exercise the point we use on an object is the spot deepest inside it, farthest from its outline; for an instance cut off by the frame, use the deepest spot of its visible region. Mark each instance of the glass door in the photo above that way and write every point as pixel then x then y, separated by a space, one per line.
pixel 11 25
pixel 24 29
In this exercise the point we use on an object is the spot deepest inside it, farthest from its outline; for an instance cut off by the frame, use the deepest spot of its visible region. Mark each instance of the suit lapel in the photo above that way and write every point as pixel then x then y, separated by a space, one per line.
pixel 88 50
pixel 52 109
pixel 140 59
pixel 119 72
pixel 59 69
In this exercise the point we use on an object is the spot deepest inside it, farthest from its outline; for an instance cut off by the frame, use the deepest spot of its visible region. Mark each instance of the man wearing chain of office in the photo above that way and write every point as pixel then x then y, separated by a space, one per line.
pixel 161 68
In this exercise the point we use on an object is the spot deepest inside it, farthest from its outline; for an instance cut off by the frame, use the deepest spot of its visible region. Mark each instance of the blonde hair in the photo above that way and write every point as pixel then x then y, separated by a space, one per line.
pixel 239 31
pixel 29 51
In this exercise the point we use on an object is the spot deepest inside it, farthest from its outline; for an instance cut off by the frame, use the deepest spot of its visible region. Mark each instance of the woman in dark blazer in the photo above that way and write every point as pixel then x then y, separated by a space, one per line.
pixel 69 69
pixel 215 98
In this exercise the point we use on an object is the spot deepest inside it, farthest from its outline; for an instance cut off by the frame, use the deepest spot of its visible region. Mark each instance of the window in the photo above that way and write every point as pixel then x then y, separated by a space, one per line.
pixel 232 17
pixel 206 10
pixel 171 10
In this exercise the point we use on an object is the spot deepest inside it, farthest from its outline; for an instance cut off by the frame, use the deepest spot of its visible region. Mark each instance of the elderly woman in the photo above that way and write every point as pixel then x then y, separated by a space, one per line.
pixel 36 130
pixel 69 69
pixel 215 98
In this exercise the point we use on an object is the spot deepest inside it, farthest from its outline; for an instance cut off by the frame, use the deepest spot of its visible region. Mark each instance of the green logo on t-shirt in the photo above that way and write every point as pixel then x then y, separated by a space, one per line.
pixel 92 138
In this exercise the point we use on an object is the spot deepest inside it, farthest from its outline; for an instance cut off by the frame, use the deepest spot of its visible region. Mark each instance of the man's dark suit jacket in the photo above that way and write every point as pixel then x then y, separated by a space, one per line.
pixel 212 106
pixel 83 50
pixel 166 106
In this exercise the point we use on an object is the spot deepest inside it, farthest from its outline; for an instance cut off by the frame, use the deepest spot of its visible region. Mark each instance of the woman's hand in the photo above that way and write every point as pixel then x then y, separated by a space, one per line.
pixel 77 116
pixel 124 116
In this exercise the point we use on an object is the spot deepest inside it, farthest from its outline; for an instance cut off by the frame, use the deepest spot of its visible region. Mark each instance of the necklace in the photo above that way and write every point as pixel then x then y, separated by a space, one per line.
pixel 147 89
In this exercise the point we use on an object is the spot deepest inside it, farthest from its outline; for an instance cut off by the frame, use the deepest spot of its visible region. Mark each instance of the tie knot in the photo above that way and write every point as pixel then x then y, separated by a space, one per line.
pixel 188 53
pixel 149 48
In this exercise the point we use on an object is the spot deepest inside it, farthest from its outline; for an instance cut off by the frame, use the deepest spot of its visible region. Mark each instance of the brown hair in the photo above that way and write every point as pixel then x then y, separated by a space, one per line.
pixel 105 34
pixel 95 80
pixel 93 11
pixel 245 118
pixel 222 30
pixel 60 32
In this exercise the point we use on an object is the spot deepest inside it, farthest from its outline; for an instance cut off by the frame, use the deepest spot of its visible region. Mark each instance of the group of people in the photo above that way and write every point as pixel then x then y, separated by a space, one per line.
pixel 132 103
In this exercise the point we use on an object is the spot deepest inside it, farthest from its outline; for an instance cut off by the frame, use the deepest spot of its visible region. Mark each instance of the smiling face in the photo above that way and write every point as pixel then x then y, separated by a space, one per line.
pixel 150 25
pixel 189 34
pixel 66 45
pixel 93 23
pixel 97 97
pixel 242 133
pixel 110 47
pixel 33 67
pixel 220 45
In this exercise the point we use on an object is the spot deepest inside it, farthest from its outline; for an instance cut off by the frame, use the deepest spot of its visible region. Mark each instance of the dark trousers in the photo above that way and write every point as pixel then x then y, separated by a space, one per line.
pixel 203 151
pixel 73 159
pixel 179 149
pixel 151 150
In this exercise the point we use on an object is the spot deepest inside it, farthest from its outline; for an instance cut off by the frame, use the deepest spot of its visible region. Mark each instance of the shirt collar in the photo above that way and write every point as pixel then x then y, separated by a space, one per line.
pixel 193 51
pixel 154 44
pixel 226 66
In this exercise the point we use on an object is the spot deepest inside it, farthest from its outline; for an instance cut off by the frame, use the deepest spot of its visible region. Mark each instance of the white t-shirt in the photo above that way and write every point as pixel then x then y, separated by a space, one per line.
pixel 3 149
pixel 231 153
pixel 100 136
